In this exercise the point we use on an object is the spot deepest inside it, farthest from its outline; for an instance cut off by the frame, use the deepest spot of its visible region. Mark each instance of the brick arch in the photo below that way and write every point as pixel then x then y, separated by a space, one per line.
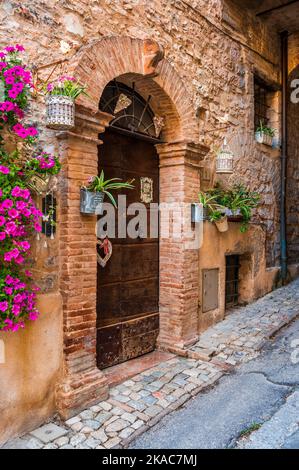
pixel 113 57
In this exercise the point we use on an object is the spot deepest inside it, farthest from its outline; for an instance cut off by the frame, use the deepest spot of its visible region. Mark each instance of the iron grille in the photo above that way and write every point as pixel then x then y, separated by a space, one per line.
pixel 260 103
pixel 232 280
pixel 132 114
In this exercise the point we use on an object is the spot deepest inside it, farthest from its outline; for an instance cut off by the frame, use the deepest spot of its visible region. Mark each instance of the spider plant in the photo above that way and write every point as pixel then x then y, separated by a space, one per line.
pixel 99 184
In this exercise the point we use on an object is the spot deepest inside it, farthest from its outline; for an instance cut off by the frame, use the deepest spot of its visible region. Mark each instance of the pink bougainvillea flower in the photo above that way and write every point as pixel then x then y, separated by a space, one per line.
pixel 3 306
pixel 2 220
pixel 2 236
pixel 28 273
pixel 9 49
pixel 37 227
pixel 4 170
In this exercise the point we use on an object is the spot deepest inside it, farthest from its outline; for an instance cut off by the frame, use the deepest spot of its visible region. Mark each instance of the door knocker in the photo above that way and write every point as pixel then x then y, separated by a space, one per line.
pixel 107 247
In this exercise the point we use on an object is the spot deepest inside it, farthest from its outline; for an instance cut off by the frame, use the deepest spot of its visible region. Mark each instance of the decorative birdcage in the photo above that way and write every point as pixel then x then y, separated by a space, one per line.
pixel 225 160
pixel 60 112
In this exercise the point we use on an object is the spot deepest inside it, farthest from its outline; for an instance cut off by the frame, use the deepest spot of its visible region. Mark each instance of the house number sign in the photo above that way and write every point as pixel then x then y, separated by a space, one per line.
pixel 146 189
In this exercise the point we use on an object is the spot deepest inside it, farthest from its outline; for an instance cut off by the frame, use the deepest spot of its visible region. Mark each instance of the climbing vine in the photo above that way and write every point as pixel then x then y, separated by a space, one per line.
pixel 19 216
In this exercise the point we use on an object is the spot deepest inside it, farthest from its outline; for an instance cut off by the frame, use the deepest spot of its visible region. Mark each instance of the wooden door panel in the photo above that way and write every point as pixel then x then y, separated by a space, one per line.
pixel 128 286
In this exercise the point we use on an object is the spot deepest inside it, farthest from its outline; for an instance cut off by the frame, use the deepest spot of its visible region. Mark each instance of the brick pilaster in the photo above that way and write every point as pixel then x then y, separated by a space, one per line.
pixel 82 383
pixel 180 164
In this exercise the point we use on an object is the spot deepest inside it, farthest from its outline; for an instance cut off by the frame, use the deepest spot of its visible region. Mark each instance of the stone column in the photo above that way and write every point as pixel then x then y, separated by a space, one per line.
pixel 82 383
pixel 180 164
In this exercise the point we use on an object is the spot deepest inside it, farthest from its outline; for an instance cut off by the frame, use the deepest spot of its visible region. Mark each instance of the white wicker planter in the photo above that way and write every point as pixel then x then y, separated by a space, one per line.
pixel 263 138
pixel 60 112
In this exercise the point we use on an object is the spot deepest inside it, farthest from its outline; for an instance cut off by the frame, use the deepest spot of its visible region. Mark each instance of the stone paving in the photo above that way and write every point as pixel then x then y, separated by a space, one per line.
pixel 243 333
pixel 143 400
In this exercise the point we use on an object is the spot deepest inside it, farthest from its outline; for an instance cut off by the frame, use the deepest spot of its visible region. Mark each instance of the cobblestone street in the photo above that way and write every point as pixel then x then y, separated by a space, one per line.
pixel 142 401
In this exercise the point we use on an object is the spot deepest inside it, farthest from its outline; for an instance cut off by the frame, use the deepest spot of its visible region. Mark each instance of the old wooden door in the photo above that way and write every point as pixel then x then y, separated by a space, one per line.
pixel 128 286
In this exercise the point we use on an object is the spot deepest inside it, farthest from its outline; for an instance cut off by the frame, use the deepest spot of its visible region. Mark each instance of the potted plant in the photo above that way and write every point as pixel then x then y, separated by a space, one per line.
pixel 264 134
pixel 237 203
pixel 208 203
pixel 39 169
pixel 220 219
pixel 60 102
pixel 92 195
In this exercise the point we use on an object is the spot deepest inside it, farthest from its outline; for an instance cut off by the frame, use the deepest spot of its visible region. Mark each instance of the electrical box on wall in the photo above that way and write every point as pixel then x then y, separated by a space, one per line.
pixel 210 289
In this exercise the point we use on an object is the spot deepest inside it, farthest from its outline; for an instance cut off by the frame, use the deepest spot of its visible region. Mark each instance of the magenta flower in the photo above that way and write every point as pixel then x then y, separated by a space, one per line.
pixel 13 254
pixel 2 220
pixel 2 236
pixel 7 204
pixel 4 170
pixel 16 309
pixel 16 191
pixel 13 213
pixel 8 290
pixel 3 306
pixel 20 48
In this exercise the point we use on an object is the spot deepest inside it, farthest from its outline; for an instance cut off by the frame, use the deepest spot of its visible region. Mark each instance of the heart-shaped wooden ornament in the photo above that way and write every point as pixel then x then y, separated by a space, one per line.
pixel 107 246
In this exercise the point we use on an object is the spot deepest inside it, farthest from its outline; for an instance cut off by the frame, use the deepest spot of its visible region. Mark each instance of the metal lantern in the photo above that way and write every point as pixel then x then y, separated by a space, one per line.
pixel 225 160
pixel 91 201
pixel 60 112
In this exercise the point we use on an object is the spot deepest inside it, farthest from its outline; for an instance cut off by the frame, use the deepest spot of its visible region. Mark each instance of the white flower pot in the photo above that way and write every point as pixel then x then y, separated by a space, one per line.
pixel 263 138
pixel 60 112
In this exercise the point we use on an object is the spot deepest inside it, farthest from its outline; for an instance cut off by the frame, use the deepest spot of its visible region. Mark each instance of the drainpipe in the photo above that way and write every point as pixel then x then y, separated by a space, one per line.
pixel 284 150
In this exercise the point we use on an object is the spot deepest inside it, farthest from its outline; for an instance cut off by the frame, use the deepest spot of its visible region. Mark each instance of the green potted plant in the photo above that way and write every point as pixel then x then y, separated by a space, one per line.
pixel 264 134
pixel 60 102
pixel 208 202
pixel 92 195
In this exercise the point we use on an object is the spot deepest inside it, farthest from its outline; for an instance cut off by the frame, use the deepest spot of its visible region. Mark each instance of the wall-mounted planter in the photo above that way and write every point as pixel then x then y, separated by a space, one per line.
pixel 222 224
pixel 199 213
pixel 90 202
pixel 263 138
pixel 60 112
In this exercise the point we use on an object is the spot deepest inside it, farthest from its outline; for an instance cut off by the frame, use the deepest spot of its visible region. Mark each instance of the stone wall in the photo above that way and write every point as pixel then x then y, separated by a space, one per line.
pixel 215 48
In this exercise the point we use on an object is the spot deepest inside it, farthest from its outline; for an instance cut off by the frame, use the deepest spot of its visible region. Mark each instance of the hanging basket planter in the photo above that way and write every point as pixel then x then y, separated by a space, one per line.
pixel 60 112
pixel 90 201
pixel 39 183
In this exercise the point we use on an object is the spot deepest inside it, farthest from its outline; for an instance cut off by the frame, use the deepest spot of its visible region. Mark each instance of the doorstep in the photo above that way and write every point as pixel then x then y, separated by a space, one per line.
pixel 124 371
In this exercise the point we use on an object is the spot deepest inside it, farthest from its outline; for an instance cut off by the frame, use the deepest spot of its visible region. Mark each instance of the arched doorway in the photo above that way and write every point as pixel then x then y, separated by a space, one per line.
pixel 128 286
